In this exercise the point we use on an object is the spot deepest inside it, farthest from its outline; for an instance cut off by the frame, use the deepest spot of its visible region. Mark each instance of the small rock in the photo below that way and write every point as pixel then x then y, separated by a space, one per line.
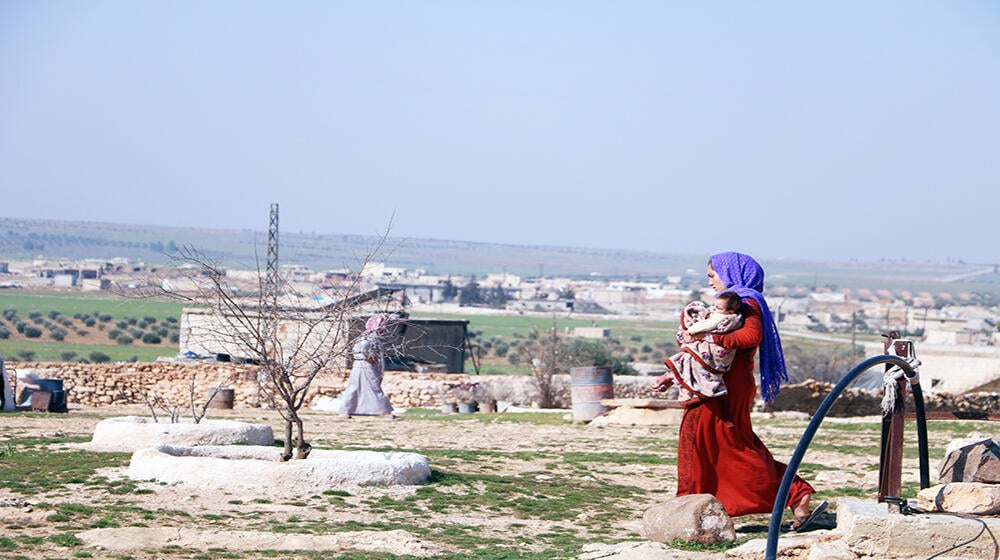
pixel 697 518
pixel 971 498
pixel 972 460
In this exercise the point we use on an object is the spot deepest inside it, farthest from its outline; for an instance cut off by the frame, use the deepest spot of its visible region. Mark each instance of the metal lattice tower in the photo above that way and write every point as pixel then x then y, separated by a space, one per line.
pixel 271 280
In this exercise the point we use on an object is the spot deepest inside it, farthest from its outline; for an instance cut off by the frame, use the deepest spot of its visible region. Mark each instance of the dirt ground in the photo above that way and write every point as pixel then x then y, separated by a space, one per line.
pixel 513 448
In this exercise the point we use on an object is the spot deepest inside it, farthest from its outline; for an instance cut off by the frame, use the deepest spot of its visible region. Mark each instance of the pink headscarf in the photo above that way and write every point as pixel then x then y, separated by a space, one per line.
pixel 376 322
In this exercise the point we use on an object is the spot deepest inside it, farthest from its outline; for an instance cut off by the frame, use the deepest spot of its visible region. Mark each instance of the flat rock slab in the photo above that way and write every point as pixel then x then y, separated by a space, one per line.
pixel 131 433
pixel 259 469
pixel 871 531
pixel 122 539
pixel 641 403
pixel 628 416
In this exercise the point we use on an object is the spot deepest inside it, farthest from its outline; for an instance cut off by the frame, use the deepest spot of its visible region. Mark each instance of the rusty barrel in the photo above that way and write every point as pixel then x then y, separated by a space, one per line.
pixel 222 399
pixel 588 386
pixel 57 396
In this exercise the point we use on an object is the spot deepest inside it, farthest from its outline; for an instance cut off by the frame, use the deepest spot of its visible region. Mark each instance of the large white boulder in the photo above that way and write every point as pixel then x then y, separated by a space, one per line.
pixel 259 469
pixel 130 433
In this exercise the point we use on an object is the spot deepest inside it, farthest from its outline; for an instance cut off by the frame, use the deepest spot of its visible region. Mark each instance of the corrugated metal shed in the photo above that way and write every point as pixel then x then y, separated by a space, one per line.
pixel 422 344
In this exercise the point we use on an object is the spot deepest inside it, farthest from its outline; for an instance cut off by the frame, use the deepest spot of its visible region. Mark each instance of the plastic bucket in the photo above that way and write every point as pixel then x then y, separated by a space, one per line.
pixel 588 386
pixel 467 407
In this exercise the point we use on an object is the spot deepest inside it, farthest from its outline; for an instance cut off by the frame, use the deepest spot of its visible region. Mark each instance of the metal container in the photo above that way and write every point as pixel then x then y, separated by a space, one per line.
pixel 588 387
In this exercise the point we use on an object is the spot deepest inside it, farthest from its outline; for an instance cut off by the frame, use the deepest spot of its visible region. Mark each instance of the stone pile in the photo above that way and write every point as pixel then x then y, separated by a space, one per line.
pixel 853 402
pixel 970 479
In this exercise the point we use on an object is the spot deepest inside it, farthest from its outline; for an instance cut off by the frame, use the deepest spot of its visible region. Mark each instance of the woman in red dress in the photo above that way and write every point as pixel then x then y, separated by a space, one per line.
pixel 718 452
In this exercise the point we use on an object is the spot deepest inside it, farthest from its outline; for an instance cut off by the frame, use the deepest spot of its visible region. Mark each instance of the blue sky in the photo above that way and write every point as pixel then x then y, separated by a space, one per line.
pixel 842 130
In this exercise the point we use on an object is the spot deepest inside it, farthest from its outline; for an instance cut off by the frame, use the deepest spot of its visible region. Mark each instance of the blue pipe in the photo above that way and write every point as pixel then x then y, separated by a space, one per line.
pixel 793 464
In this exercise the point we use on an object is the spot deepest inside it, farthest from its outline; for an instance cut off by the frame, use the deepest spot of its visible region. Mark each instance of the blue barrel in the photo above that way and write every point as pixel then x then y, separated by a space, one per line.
pixel 588 387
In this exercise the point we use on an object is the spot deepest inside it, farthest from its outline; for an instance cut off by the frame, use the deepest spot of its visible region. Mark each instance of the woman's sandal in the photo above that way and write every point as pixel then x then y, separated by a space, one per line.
pixel 810 520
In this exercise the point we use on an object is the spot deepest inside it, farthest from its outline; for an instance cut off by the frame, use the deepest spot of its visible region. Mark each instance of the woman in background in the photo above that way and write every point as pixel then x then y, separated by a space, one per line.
pixel 363 394
pixel 6 394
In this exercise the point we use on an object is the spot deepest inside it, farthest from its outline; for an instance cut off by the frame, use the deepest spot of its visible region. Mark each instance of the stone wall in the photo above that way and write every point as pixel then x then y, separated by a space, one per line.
pixel 134 383
pixel 171 383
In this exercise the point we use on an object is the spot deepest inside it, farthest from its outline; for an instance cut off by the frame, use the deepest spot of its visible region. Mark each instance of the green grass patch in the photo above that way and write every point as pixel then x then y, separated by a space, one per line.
pixel 699 547
pixel 541 495
pixel 540 418
pixel 33 469
pixel 619 458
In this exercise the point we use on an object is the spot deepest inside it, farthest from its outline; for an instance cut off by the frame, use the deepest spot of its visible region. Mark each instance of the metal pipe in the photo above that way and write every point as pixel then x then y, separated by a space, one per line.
pixel 793 464
pixel 918 408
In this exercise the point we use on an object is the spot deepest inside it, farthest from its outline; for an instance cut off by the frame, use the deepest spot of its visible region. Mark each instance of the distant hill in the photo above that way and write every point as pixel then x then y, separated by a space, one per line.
pixel 30 238
pixel 54 239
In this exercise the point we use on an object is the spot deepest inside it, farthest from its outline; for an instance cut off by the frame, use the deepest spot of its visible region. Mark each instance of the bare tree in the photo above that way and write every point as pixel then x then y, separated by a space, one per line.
pixel 547 355
pixel 197 413
pixel 820 362
pixel 154 402
pixel 291 336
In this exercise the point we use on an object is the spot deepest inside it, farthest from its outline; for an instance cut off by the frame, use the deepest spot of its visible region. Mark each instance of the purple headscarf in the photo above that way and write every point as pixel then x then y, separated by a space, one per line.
pixel 743 275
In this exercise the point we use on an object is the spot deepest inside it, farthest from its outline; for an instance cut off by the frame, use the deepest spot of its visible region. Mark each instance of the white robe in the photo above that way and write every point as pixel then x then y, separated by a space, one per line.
pixel 363 394
pixel 7 394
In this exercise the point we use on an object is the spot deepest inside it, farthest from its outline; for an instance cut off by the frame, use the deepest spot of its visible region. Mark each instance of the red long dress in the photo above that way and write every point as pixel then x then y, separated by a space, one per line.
pixel 718 453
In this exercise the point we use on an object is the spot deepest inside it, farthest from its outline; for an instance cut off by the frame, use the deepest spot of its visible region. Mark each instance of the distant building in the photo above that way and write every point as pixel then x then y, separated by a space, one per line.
pixel 592 332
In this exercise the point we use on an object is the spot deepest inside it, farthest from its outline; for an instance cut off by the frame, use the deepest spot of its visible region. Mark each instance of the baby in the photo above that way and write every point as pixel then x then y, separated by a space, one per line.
pixel 699 366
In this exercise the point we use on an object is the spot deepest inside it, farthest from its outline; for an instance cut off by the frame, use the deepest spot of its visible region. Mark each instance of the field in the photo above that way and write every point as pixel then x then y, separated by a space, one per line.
pixel 72 303
pixel 53 326
pixel 508 486
pixel 642 340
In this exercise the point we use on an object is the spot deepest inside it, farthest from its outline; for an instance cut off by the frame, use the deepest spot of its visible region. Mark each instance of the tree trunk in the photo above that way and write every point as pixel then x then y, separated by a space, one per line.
pixel 301 447
pixel 287 454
